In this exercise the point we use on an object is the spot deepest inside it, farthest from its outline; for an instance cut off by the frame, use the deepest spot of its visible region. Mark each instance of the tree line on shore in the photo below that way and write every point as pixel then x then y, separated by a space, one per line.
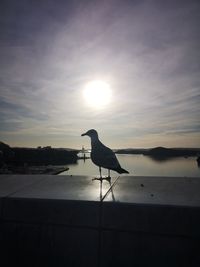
pixel 60 156
pixel 36 156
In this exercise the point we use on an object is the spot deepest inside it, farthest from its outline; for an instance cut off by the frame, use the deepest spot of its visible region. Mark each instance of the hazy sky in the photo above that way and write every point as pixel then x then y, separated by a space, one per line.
pixel 148 51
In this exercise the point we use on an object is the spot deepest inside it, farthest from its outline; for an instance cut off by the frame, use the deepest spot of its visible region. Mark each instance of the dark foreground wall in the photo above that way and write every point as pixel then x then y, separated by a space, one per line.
pixel 73 221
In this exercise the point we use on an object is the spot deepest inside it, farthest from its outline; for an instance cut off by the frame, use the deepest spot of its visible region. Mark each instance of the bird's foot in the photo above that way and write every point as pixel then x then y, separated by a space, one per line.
pixel 102 178
pixel 108 179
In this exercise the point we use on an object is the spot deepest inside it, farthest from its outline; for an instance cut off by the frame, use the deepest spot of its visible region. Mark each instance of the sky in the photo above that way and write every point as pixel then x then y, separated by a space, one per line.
pixel 146 50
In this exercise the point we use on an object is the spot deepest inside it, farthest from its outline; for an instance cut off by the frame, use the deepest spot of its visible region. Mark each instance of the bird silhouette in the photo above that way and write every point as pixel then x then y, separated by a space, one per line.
pixel 102 156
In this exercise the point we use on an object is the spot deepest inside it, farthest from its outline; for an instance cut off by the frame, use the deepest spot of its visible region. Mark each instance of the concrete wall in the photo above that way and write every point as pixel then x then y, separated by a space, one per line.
pixel 74 221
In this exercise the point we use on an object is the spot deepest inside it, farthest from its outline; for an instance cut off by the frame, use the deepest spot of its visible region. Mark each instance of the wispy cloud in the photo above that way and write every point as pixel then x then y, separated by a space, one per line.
pixel 148 52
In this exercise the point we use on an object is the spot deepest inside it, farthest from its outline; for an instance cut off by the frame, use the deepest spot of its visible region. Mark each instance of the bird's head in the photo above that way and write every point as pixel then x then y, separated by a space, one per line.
pixel 91 133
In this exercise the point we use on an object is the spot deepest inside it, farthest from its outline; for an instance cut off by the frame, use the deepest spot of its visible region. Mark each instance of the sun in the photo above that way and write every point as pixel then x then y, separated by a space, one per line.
pixel 97 93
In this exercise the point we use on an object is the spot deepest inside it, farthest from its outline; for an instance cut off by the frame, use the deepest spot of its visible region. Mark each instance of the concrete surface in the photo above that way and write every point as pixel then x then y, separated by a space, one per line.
pixel 174 191
pixel 9 184
pixel 73 221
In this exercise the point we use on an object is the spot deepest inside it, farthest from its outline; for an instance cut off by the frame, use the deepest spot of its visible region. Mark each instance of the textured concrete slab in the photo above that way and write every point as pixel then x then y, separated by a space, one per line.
pixel 177 191
pixel 8 245
pixel 57 199
pixel 155 205
pixel 48 245
pixel 64 187
pixel 144 249
pixel 158 219
pixel 67 212
pixel 10 184
pixel 75 247
pixel 60 220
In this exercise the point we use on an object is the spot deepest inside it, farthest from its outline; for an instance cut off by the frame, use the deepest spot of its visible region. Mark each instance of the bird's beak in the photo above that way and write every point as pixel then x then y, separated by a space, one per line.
pixel 83 134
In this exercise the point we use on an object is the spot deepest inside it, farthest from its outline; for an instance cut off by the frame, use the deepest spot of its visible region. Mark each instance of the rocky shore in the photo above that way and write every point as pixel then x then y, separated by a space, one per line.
pixel 41 160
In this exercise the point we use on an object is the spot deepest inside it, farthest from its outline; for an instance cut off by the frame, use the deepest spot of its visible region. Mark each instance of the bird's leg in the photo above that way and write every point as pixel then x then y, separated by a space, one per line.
pixel 109 177
pixel 100 178
pixel 100 173
pixel 100 190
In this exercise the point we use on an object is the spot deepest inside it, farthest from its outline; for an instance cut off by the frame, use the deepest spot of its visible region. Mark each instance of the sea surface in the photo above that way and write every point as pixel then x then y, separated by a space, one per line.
pixel 140 165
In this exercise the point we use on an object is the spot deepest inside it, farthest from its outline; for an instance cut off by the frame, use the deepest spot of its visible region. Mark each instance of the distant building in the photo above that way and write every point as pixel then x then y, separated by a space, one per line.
pixel 47 147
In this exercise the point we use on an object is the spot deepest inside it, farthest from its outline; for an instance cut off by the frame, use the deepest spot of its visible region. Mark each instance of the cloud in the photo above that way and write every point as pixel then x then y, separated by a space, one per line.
pixel 148 53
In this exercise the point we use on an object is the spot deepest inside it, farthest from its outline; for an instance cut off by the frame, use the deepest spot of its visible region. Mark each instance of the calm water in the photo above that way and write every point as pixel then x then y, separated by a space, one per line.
pixel 139 165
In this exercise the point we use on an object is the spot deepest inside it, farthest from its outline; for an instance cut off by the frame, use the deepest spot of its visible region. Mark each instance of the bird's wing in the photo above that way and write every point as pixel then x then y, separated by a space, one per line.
pixel 104 157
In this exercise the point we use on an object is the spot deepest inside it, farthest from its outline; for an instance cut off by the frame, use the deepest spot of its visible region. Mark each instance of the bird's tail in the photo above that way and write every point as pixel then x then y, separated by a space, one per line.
pixel 120 170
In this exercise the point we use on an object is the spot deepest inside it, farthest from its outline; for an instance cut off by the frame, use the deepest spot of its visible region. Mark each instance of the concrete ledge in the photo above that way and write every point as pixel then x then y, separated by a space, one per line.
pixel 67 212
pixel 157 219
pixel 144 249
pixel 74 221
pixel 172 191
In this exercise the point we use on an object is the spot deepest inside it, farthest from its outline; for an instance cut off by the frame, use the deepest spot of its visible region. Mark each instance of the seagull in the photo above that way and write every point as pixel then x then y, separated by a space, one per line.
pixel 102 156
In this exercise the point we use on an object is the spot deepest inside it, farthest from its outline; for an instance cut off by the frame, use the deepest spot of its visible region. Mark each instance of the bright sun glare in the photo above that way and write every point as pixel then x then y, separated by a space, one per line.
pixel 97 93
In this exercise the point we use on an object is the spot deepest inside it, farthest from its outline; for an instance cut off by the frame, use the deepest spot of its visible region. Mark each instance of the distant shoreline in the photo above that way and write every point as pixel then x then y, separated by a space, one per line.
pixel 48 160
pixel 41 160
pixel 162 152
